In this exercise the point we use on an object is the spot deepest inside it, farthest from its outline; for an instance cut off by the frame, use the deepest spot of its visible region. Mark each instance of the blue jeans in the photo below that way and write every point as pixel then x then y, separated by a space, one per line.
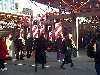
pixel 97 67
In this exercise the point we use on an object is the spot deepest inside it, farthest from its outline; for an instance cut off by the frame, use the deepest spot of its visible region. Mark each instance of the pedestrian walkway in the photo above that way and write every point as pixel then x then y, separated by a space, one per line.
pixel 83 66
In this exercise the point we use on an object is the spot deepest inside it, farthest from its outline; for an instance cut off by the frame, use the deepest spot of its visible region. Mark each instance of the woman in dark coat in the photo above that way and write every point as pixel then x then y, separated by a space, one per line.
pixel 59 48
pixel 40 54
pixel 3 53
pixel 67 51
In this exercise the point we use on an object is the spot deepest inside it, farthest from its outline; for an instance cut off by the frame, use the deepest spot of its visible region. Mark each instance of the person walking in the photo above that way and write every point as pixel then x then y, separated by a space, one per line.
pixel 18 48
pixel 3 53
pixel 40 54
pixel 58 46
pixel 97 53
pixel 67 51
pixel 93 50
pixel 29 45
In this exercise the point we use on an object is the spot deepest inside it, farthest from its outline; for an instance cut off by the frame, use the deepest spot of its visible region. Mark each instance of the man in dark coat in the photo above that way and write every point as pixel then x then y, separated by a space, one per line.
pixel 18 47
pixel 40 54
pixel 29 46
pixel 92 53
pixel 67 51
pixel 97 54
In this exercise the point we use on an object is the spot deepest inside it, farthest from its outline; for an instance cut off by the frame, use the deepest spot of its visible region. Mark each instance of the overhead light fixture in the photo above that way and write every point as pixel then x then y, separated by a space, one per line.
pixel 66 19
pixel 8 15
pixel 2 14
pixel 82 2
pixel 14 16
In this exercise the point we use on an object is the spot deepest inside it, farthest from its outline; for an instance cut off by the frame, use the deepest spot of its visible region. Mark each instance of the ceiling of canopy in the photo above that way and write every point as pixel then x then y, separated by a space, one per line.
pixel 71 5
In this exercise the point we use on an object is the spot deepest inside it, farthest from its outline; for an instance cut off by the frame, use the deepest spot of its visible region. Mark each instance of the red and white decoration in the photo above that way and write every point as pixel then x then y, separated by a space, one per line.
pixel 50 38
pixel 35 30
pixel 38 29
pixel 42 24
pixel 58 29
pixel 24 20
pixel 42 28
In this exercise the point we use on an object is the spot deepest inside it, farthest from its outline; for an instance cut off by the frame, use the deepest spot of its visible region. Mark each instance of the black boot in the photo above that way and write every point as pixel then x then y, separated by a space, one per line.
pixel 21 57
pixel 28 55
pixel 71 65
pixel 35 68
pixel 17 57
pixel 43 66
pixel 62 66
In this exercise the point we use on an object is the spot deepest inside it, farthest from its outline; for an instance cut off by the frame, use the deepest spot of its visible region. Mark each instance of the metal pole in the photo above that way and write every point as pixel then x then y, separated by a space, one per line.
pixel 31 26
pixel 77 33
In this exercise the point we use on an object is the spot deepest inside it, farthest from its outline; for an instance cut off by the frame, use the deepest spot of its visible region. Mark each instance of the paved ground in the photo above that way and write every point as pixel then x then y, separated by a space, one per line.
pixel 83 66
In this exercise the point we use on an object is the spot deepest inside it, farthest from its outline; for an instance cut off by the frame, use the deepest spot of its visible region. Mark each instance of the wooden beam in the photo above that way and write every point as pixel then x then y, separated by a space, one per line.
pixel 94 13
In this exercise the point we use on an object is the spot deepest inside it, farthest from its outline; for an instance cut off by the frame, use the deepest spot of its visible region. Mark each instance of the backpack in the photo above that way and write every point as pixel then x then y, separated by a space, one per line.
pixel 90 49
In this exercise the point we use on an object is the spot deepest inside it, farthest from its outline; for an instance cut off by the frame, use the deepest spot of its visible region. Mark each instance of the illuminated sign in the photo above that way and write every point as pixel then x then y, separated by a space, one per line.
pixel 7 5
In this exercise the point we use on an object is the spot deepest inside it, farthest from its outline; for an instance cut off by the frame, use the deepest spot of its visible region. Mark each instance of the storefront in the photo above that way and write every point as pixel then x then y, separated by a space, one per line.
pixel 12 23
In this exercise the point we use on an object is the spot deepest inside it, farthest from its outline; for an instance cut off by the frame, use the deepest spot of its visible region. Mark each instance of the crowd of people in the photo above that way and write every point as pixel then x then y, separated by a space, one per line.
pixel 63 45
pixel 19 48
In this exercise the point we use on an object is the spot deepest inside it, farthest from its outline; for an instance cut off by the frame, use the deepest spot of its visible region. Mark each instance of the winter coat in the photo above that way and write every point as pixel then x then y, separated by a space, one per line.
pixel 66 49
pixel 3 49
pixel 29 43
pixel 90 49
pixel 40 47
pixel 59 43
pixel 18 44
pixel 97 55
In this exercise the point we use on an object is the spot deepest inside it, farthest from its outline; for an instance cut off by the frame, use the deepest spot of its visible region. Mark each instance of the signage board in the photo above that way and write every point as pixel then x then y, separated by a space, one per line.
pixel 7 6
